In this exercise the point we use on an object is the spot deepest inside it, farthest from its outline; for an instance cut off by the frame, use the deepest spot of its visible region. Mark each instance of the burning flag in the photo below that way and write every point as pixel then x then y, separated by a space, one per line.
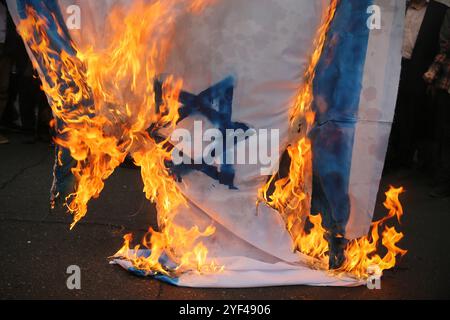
pixel 205 95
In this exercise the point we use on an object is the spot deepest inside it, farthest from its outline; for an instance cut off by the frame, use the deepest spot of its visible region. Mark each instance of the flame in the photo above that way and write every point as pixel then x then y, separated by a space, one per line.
pixel 361 253
pixel 198 6
pixel 302 106
pixel 104 97
pixel 291 195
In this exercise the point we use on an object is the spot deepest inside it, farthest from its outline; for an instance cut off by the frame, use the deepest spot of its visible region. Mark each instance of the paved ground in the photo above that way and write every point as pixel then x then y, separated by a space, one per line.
pixel 36 247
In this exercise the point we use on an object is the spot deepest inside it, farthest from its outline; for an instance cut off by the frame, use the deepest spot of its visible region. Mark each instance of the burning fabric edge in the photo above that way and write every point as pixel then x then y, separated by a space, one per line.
pixel 84 113
pixel 362 259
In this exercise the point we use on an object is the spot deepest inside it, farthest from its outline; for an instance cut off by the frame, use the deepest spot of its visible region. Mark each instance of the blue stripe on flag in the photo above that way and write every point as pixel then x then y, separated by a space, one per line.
pixel 337 89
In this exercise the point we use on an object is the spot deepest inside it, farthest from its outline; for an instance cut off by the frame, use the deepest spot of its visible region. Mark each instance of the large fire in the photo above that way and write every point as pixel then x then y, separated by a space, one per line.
pixel 105 99
pixel 102 124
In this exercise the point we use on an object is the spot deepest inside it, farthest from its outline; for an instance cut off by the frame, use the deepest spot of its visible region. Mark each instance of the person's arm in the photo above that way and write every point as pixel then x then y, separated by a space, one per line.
pixel 444 51
pixel 444 36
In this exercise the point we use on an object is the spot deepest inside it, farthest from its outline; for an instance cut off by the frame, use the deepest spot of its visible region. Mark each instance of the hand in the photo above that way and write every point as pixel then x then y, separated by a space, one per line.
pixel 429 77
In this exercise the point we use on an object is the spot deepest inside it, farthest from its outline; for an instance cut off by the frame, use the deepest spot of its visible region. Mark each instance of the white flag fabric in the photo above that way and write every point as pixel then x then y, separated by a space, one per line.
pixel 242 64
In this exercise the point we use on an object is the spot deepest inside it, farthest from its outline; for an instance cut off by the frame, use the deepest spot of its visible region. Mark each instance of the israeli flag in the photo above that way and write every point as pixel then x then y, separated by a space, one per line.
pixel 242 64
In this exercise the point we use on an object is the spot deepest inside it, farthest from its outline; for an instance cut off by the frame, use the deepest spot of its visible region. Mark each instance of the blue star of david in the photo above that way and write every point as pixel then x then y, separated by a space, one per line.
pixel 215 103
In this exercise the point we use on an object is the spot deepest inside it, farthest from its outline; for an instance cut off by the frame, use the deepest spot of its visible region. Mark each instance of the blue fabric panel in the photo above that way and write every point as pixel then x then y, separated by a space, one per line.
pixel 337 88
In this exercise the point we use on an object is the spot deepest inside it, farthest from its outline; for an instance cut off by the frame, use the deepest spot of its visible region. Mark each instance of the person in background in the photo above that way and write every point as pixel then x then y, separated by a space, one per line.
pixel 438 75
pixel 24 84
pixel 35 112
pixel 411 131
pixel 15 44
pixel 10 114
pixel 5 63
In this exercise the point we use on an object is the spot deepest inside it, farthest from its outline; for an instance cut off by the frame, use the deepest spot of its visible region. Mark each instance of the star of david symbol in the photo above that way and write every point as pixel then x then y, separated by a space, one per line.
pixel 214 103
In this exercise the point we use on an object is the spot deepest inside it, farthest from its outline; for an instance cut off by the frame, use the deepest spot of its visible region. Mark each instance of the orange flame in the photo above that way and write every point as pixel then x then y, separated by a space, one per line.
pixel 302 106
pixel 106 100
pixel 361 253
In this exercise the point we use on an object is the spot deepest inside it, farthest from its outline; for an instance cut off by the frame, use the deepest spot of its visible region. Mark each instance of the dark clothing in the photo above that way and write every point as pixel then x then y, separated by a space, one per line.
pixel 413 121
pixel 5 64
pixel 5 67
pixel 442 135
pixel 32 101
pixel 441 73
pixel 12 38
pixel 404 132
pixel 427 44
pixel 35 112
pixel 9 57
pixel 441 65
pixel 10 115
